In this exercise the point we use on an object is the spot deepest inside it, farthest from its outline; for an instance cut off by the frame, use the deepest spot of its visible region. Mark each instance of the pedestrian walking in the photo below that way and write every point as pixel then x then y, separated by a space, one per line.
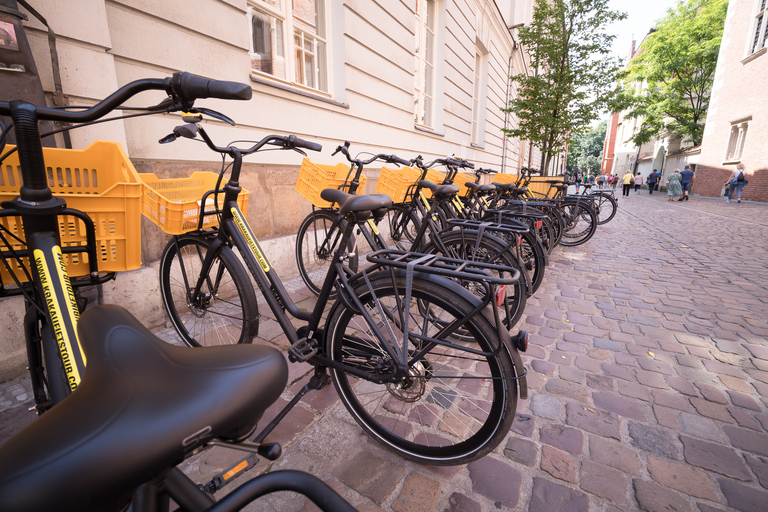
pixel 600 181
pixel 627 181
pixel 577 181
pixel 737 182
pixel 674 188
pixel 686 180
pixel 638 182
pixel 652 179
pixel 614 180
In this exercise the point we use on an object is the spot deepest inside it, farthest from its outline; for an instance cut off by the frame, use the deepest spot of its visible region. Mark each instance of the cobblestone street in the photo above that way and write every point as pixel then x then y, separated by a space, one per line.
pixel 648 376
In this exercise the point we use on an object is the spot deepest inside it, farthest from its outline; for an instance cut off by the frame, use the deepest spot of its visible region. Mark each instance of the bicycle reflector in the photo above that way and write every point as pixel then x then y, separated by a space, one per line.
pixel 519 240
pixel 538 224
pixel 501 295
pixel 520 341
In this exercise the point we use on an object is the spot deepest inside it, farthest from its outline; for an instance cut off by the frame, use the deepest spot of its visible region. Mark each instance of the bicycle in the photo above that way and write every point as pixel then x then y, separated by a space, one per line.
pixel 320 233
pixel 56 360
pixel 401 339
pixel 605 203
pixel 174 393
pixel 130 371
pixel 578 211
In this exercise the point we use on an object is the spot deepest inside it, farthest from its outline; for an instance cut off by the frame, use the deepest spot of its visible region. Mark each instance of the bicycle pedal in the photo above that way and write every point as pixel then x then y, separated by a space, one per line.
pixel 302 350
pixel 228 475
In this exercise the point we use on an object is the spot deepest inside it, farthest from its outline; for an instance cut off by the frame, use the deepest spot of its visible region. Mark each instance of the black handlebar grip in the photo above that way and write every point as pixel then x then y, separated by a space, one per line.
pixel 396 159
pixel 301 143
pixel 468 165
pixel 190 87
pixel 35 188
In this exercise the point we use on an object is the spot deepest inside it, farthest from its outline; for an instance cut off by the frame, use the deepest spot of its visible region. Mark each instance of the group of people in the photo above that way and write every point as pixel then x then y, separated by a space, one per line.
pixel 679 183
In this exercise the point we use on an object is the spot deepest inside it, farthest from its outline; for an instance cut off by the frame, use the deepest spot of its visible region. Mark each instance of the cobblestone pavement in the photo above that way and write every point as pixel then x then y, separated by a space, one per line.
pixel 649 373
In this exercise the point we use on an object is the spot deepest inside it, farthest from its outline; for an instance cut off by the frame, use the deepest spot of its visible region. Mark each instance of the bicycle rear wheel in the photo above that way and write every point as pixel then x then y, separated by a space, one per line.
pixel 581 224
pixel 226 312
pixel 489 250
pixel 453 406
pixel 606 208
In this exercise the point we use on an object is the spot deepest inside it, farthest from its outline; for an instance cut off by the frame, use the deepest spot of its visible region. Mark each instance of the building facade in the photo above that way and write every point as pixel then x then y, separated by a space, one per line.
pixel 737 123
pixel 409 77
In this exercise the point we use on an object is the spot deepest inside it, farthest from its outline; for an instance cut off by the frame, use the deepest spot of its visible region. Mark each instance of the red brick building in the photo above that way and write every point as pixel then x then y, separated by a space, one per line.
pixel 737 122
pixel 610 144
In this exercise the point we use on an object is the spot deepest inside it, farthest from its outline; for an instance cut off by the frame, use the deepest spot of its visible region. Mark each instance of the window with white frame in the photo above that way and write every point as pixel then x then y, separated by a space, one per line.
pixel 478 98
pixel 426 39
pixel 736 140
pixel 288 41
pixel 760 32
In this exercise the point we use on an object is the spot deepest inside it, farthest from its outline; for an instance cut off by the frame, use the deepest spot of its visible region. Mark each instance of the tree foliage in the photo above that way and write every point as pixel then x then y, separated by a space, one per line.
pixel 586 151
pixel 668 84
pixel 573 78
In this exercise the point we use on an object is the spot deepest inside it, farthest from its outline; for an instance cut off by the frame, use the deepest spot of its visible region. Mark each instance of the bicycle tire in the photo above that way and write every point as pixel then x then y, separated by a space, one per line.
pixel 227 312
pixel 533 255
pixel 465 248
pixel 403 225
pixel 582 224
pixel 313 255
pixel 606 209
pixel 434 416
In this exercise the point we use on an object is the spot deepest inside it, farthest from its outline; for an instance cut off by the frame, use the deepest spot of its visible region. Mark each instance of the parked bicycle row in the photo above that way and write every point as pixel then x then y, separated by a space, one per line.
pixel 414 343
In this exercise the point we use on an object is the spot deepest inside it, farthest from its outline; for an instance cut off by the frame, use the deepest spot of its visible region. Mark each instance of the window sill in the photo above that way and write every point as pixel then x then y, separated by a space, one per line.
pixel 755 55
pixel 731 162
pixel 298 91
pixel 476 145
pixel 428 130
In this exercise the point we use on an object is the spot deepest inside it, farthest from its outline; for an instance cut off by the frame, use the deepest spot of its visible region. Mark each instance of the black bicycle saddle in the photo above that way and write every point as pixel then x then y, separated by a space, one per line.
pixel 354 203
pixel 480 188
pixel 439 190
pixel 141 406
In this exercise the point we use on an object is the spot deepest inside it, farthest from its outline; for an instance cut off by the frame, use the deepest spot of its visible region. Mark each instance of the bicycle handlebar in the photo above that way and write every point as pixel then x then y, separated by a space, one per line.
pixel 184 87
pixel 189 87
pixel 295 142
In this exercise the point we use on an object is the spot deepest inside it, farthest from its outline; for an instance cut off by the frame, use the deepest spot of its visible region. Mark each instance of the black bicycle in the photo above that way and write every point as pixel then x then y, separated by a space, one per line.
pixel 87 452
pixel 423 365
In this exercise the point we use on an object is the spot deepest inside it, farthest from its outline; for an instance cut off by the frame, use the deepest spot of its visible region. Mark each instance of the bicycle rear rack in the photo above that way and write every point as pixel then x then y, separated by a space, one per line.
pixel 476 271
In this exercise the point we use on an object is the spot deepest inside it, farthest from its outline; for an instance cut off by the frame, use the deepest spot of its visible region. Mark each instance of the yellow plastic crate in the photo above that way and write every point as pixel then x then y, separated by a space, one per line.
pixel 99 180
pixel 461 179
pixel 395 182
pixel 314 178
pixel 539 186
pixel 174 204
pixel 504 178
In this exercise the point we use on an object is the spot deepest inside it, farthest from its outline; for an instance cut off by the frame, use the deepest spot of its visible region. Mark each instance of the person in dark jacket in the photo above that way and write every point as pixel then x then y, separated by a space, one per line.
pixel 652 179
pixel 686 180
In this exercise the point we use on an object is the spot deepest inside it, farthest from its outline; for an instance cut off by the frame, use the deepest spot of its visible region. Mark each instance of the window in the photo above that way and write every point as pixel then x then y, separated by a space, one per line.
pixel 426 17
pixel 271 21
pixel 736 141
pixel 478 98
pixel 760 37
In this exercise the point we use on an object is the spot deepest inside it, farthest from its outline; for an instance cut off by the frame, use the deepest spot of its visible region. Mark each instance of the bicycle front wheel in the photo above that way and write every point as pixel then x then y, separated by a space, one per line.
pixel 225 312
pixel 453 406
pixel 318 238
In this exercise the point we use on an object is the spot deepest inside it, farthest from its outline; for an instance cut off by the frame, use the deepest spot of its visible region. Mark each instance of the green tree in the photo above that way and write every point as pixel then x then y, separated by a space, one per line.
pixel 574 75
pixel 668 84
pixel 586 151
